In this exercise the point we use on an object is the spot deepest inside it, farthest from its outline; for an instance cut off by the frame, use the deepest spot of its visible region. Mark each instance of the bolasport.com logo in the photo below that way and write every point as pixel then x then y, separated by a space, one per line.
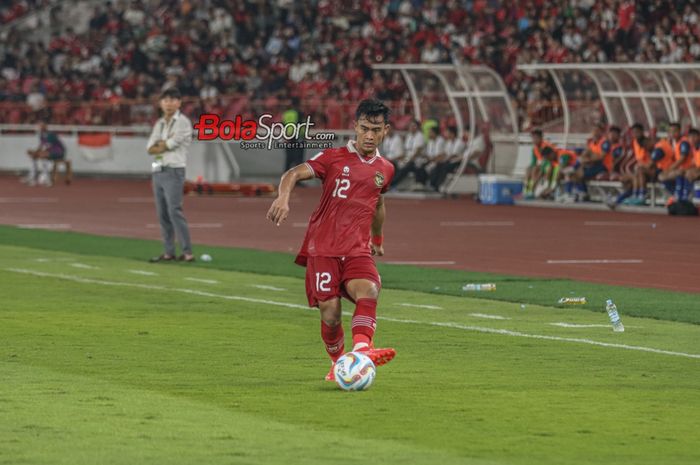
pixel 263 133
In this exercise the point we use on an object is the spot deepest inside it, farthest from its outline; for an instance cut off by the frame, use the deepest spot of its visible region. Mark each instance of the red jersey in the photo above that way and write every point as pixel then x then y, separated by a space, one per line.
pixel 341 224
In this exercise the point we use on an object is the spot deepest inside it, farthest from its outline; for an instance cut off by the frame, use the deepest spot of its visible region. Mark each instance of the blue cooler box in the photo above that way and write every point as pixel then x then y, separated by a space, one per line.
pixel 497 189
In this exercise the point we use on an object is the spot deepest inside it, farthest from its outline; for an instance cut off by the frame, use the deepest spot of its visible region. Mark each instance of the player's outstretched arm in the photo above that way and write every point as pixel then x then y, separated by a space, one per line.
pixel 280 207
pixel 376 243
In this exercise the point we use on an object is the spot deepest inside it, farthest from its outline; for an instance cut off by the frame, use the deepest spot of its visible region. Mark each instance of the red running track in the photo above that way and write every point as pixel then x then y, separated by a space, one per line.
pixel 641 250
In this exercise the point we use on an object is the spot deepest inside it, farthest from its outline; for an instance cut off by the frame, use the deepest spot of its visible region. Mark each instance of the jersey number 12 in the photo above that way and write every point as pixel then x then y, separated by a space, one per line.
pixel 322 282
pixel 341 187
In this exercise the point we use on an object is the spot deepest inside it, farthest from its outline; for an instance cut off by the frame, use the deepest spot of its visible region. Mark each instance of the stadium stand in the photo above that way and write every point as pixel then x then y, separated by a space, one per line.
pixel 227 55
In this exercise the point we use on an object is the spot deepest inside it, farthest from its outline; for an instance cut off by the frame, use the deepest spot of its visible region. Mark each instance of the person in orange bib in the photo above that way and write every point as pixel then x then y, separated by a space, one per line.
pixel 560 165
pixel 692 174
pixel 683 160
pixel 539 164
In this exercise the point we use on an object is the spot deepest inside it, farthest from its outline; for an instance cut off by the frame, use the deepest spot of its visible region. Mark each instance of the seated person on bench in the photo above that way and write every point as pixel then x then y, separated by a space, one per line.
pixel 50 148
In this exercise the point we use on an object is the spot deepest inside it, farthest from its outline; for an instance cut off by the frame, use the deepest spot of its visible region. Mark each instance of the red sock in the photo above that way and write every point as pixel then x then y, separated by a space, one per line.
pixel 334 340
pixel 364 321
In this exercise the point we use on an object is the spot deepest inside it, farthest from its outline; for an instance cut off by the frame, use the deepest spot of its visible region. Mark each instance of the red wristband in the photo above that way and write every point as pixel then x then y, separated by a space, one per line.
pixel 377 240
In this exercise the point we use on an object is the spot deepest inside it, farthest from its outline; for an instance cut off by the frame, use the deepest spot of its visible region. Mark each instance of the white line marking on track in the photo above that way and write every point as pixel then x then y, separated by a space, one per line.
pixel 593 261
pixel 44 226
pixel 477 223
pixel 431 307
pixel 83 266
pixel 616 223
pixel 191 225
pixel 418 262
pixel 479 329
pixel 490 317
pixel 205 281
pixel 28 200
pixel 267 288
pixel 142 272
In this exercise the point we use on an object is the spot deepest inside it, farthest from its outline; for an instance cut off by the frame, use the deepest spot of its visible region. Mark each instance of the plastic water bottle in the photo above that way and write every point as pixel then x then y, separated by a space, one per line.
pixel 614 316
pixel 479 287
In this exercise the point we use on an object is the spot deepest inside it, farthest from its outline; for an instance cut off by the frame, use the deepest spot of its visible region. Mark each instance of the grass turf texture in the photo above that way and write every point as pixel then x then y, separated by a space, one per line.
pixel 102 365
pixel 650 303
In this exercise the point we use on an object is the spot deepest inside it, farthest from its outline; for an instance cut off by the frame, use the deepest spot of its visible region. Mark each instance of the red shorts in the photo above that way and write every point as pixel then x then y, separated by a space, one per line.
pixel 326 276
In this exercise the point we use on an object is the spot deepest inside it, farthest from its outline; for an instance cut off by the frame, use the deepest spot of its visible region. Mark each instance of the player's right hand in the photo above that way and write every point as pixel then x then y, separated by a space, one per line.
pixel 278 211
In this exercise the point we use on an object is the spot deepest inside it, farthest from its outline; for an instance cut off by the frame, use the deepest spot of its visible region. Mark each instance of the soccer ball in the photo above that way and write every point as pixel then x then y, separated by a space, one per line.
pixel 354 371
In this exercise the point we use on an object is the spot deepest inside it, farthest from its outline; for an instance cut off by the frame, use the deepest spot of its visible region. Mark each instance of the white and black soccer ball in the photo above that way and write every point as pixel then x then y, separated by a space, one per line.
pixel 354 371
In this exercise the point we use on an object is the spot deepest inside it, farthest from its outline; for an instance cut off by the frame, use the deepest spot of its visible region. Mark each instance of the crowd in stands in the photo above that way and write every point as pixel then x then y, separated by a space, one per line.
pixel 263 53
pixel 636 158
pixel 11 10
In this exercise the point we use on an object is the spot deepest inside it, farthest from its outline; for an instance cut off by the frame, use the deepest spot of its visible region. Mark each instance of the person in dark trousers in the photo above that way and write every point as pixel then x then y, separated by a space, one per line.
pixel 294 155
pixel 50 148
pixel 171 136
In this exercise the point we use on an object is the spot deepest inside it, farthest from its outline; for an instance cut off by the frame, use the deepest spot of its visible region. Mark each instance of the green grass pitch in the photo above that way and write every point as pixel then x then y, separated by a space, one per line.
pixel 115 361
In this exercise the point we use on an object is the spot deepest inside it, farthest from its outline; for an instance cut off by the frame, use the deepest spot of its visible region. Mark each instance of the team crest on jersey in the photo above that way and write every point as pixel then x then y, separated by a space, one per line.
pixel 378 179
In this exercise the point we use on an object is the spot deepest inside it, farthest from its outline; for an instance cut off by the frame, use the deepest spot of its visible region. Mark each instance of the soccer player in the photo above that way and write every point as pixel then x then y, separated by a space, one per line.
pixel 337 250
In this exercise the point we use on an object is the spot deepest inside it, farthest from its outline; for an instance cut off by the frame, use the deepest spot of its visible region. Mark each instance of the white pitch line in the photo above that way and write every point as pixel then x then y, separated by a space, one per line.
pixel 44 226
pixel 83 266
pixel 28 200
pixel 477 223
pixel 593 261
pixel 479 329
pixel 191 225
pixel 418 262
pixel 205 281
pixel 143 273
pixel 576 325
pixel 430 307
pixel 487 316
pixel 267 288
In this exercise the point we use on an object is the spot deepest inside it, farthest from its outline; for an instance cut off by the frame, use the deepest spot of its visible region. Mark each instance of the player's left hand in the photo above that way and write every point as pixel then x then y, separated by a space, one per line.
pixel 278 211
pixel 377 250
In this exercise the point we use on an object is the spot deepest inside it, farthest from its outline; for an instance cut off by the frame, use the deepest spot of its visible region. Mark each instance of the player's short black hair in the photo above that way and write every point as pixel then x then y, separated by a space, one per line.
pixel 638 126
pixel 372 108
pixel 614 129
pixel 693 131
pixel 536 132
pixel 171 92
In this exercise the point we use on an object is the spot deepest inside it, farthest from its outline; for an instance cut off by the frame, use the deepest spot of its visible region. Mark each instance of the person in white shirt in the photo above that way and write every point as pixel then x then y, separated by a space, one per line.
pixel 435 155
pixel 454 149
pixel 414 153
pixel 170 138
pixel 477 155
pixel 393 148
